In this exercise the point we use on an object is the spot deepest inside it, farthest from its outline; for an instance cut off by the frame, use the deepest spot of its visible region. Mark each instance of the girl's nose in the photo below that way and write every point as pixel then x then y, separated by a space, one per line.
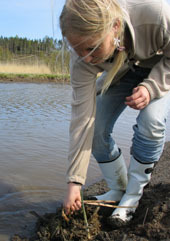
pixel 88 59
pixel 86 56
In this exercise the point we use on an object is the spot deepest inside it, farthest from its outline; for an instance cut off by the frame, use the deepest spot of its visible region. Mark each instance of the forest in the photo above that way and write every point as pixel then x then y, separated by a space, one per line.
pixel 48 51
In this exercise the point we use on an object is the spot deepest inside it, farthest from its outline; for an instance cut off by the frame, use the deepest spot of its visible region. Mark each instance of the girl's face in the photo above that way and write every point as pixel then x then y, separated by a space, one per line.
pixel 86 48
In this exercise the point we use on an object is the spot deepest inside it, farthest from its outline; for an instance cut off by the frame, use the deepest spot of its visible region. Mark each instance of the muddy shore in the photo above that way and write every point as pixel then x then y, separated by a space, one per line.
pixel 151 221
pixel 34 78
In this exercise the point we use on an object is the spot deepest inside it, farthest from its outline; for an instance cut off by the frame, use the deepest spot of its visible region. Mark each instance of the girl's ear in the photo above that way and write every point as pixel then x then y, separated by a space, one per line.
pixel 116 26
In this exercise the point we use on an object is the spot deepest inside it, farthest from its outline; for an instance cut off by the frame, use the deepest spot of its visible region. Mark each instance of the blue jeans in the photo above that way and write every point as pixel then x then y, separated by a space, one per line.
pixel 149 131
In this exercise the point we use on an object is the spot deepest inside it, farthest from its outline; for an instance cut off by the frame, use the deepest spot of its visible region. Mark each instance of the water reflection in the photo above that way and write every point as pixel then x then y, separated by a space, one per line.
pixel 34 123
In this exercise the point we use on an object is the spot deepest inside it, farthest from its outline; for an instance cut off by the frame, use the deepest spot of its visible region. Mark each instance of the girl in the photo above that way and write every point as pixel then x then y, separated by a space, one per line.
pixel 129 42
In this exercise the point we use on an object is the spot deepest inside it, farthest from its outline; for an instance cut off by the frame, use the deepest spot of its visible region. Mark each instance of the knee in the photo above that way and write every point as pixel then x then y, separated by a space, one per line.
pixel 104 147
pixel 150 125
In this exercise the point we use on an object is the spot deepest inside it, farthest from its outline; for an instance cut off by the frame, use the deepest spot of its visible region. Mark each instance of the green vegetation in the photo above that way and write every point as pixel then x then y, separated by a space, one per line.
pixel 34 77
pixel 22 51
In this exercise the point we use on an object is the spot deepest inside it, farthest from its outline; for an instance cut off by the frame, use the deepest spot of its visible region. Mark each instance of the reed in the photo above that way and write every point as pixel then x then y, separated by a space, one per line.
pixel 24 68
pixel 34 78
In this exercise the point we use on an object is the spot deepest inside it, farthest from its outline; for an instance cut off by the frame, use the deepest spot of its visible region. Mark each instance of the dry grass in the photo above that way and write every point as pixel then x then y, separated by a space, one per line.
pixel 24 69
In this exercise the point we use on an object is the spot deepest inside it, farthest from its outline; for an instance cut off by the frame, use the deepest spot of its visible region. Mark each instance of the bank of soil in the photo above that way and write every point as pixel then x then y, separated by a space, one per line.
pixel 34 78
pixel 151 221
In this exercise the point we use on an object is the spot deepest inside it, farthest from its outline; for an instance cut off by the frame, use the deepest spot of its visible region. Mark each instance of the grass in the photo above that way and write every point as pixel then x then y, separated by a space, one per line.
pixel 4 77
pixel 29 73
pixel 24 68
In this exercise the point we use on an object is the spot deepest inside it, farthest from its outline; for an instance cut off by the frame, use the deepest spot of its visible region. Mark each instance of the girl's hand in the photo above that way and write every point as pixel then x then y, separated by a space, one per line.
pixel 73 199
pixel 139 99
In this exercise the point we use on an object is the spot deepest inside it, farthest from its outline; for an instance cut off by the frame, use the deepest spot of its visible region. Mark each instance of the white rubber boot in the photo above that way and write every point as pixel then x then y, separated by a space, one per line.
pixel 139 175
pixel 115 174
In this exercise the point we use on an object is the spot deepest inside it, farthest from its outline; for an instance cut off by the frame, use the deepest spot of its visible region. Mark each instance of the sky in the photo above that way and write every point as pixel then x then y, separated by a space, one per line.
pixel 33 19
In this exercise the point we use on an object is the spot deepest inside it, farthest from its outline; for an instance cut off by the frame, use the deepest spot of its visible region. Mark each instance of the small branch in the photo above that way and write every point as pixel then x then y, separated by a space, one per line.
pixel 85 216
pixel 107 205
pixel 99 201
pixel 64 216
pixel 145 216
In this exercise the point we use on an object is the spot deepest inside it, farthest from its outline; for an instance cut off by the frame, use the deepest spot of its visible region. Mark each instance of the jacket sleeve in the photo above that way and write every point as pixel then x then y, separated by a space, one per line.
pixel 158 81
pixel 83 81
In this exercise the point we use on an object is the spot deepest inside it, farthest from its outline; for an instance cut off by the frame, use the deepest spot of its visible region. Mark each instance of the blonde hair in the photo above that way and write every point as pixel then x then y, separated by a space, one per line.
pixel 94 17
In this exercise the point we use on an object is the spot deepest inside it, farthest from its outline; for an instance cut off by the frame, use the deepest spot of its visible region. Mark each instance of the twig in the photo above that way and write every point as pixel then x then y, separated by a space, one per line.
pixel 85 216
pixel 64 216
pixel 63 236
pixel 99 201
pixel 145 216
pixel 57 229
pixel 124 237
pixel 108 205
pixel 96 211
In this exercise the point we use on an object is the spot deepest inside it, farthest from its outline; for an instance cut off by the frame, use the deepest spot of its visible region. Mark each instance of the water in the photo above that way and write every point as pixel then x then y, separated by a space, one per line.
pixel 34 124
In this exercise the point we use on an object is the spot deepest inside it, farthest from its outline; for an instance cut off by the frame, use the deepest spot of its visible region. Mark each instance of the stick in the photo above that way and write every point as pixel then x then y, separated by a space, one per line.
pixel 108 205
pixel 64 216
pixel 85 216
pixel 99 201
pixel 145 216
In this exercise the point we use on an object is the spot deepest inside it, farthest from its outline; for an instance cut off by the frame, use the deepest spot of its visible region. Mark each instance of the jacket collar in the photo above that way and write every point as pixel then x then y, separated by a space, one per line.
pixel 123 6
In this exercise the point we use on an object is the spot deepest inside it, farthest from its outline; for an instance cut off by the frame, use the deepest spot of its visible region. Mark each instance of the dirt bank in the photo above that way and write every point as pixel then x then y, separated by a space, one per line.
pixel 151 221
pixel 34 78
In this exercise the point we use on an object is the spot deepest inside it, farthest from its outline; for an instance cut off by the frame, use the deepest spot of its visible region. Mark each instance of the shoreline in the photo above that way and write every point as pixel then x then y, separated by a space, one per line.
pixel 34 78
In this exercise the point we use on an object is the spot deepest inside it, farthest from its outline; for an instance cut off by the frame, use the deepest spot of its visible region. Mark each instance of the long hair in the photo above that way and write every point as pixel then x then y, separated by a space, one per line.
pixel 94 18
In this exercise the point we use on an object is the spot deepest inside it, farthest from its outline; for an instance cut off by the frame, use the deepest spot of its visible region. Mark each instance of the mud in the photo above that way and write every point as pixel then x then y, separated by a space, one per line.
pixel 151 221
